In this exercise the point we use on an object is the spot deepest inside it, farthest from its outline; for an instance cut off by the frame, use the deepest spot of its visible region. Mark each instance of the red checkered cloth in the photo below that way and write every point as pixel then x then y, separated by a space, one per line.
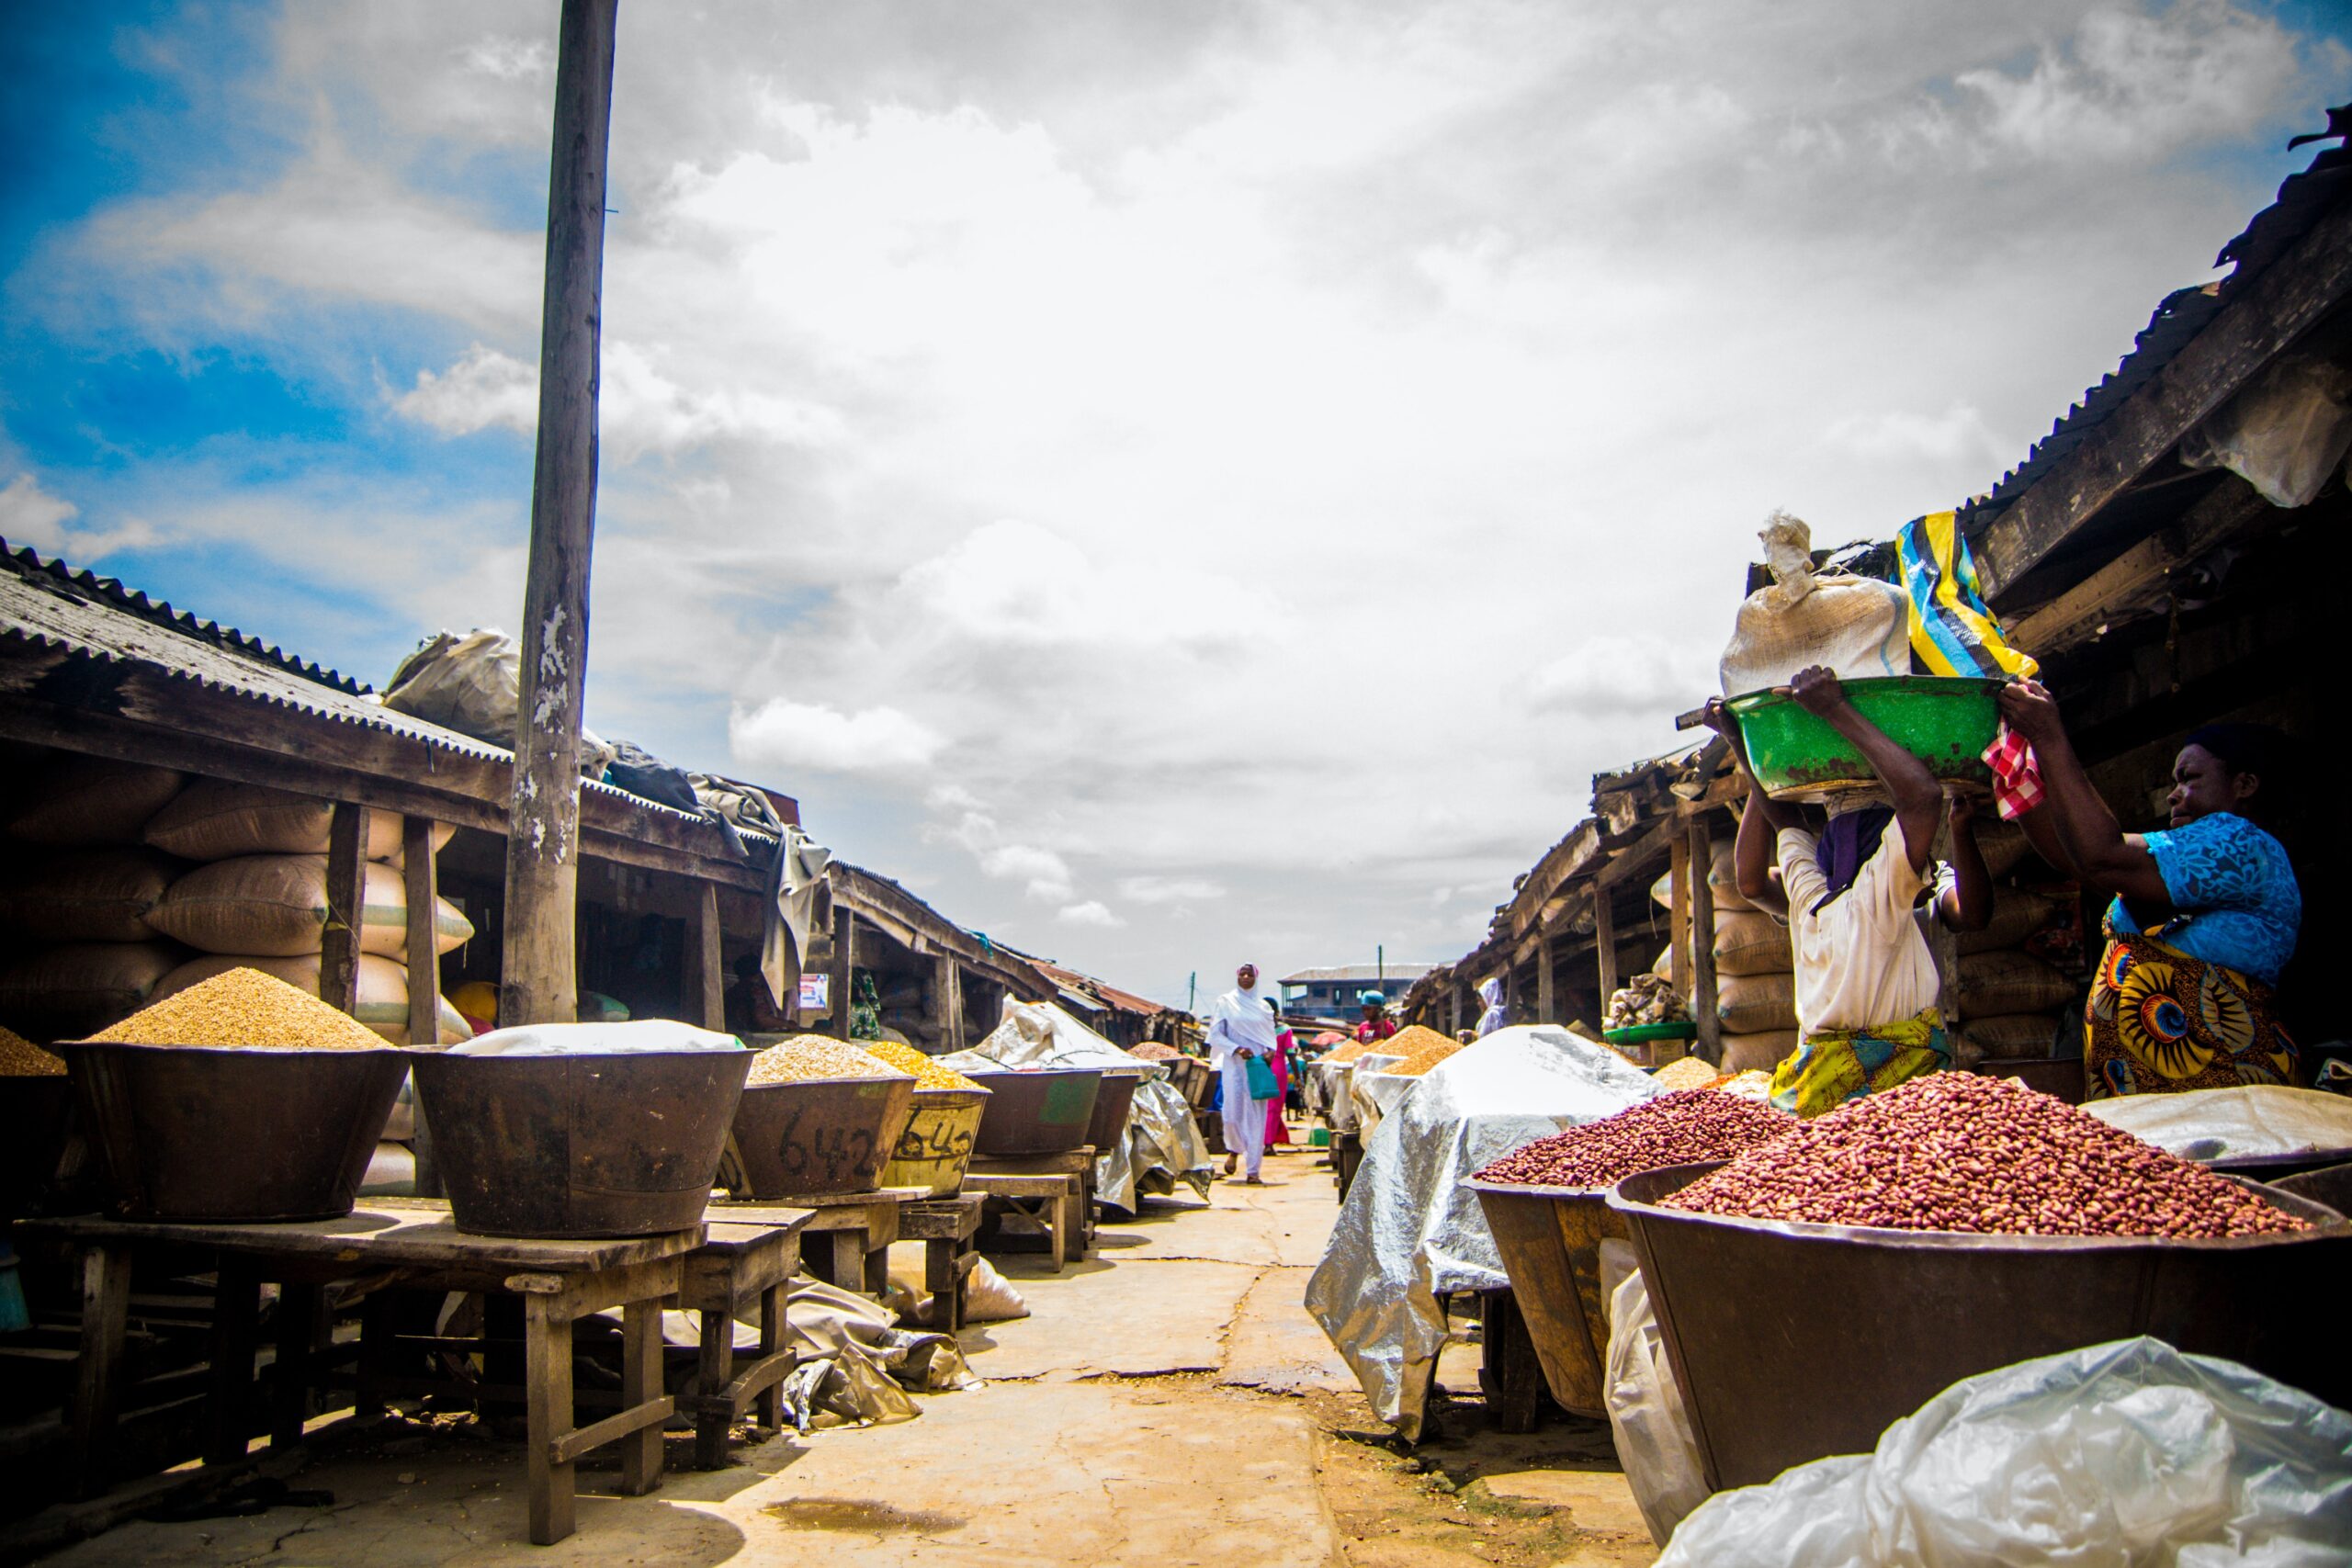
pixel 2017 774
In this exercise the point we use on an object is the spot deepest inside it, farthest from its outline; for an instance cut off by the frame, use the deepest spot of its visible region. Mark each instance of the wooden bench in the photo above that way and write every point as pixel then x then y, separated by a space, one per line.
pixel 413 1244
pixel 1027 1203
pixel 948 1229
pixel 847 1239
pixel 748 1256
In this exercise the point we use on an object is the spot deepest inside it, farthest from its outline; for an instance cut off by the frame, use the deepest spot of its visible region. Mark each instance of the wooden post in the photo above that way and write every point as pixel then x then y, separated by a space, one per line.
pixel 1547 1003
pixel 540 984
pixel 422 881
pixel 947 1001
pixel 845 966
pixel 1701 994
pixel 347 897
pixel 1677 919
pixel 1604 943
pixel 706 973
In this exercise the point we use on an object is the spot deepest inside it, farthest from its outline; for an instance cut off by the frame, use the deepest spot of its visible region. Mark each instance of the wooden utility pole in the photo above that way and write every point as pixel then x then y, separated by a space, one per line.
pixel 540 984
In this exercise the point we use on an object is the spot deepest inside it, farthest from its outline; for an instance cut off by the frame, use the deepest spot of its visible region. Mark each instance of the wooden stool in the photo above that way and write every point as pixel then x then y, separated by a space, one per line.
pixel 749 1255
pixel 1078 1240
pixel 847 1239
pixel 947 1228
pixel 1038 1205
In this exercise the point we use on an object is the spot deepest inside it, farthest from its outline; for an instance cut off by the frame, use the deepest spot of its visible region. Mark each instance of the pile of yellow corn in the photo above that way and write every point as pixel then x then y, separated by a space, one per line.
pixel 928 1073
pixel 1422 1049
pixel 243 1007
pixel 20 1058
pixel 1689 1072
pixel 807 1058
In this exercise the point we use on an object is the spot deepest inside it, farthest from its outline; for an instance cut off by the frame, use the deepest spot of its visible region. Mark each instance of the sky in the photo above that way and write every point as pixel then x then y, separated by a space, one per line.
pixel 1170 482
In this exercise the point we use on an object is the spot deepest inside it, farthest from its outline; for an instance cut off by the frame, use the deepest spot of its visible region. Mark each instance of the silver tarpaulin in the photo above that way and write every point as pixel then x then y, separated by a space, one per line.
pixel 1409 1233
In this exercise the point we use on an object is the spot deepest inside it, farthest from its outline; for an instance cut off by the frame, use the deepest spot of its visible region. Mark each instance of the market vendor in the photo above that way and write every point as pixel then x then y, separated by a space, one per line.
pixel 1851 888
pixel 2203 917
pixel 1242 1028
pixel 1497 1013
pixel 1375 1025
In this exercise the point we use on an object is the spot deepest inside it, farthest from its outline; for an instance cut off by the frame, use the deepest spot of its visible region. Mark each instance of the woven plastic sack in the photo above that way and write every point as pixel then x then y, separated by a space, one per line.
pixel 2128 1454
pixel 1857 626
pixel 2244 1122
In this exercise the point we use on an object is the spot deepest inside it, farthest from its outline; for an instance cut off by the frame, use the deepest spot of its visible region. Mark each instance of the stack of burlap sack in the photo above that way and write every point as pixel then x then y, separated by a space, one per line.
pixel 1755 985
pixel 136 883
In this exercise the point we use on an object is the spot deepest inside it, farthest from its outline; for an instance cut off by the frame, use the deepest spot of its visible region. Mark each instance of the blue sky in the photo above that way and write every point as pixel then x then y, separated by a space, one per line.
pixel 1100 459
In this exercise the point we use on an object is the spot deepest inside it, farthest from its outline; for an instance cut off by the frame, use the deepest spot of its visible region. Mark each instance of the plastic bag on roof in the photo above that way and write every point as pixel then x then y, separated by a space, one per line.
pixel 473 684
pixel 1410 1233
pixel 2284 435
pixel 2126 1453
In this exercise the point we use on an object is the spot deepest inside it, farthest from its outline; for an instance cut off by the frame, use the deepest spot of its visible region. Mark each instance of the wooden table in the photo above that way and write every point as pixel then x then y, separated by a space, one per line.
pixel 947 1227
pixel 847 1239
pixel 414 1243
pixel 750 1255
pixel 1012 1181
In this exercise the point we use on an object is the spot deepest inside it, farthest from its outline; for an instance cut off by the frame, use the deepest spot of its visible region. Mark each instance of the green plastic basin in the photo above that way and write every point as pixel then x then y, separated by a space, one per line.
pixel 1945 721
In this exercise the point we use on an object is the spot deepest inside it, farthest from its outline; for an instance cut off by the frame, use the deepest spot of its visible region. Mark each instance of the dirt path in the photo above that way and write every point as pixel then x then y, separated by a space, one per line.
pixel 1168 1402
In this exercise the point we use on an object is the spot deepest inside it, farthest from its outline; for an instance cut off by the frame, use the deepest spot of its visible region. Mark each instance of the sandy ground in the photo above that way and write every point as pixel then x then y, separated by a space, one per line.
pixel 1168 1402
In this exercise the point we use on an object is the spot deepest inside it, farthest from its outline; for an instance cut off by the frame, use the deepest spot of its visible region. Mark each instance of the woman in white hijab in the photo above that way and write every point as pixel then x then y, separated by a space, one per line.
pixel 1243 1026
pixel 1496 1014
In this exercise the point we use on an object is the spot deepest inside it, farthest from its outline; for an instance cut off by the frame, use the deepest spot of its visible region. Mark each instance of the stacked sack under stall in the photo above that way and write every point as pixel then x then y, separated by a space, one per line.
pixel 258 898
pixel 1756 996
pixel 2019 992
pixel 77 886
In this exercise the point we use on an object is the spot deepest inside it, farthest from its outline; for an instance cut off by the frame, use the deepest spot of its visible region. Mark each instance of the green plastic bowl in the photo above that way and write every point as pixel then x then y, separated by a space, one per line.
pixel 1945 721
pixel 1636 1035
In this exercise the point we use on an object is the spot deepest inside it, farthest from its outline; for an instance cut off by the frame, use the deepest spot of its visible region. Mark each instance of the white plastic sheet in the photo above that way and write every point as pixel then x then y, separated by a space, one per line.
pixel 1655 1447
pixel 1163 1144
pixel 2243 1121
pixel 1372 1089
pixel 647 1035
pixel 2128 1454
pixel 1410 1232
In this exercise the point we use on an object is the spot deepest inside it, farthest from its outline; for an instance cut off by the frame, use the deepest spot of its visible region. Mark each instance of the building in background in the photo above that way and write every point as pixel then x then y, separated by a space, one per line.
pixel 1332 993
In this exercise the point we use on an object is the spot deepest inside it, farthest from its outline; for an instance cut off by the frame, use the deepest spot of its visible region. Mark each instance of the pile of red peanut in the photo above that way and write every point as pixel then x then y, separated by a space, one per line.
pixel 1960 1152
pixel 1681 1128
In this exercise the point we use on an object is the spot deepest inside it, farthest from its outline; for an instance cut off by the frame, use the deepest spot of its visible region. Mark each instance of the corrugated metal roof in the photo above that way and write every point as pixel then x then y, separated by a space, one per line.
pixel 2303 199
pixel 1369 974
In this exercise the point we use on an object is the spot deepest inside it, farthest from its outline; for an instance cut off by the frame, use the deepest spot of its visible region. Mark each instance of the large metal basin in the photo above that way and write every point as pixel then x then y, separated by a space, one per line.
pixel 2331 1187
pixel 820 1136
pixel 1792 1342
pixel 935 1148
pixel 1037 1113
pixel 240 1134
pixel 1945 721
pixel 578 1146
pixel 1550 1240
pixel 1107 1128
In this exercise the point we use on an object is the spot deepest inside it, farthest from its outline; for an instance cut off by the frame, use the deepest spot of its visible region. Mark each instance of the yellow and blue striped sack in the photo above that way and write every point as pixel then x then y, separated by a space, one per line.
pixel 1952 632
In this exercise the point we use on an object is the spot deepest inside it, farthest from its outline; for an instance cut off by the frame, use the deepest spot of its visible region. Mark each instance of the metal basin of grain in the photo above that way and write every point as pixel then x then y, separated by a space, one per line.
pixel 232 1133
pixel 578 1146
pixel 935 1149
pixel 1550 1239
pixel 1041 1112
pixel 818 1135
pixel 1898 1316
pixel 1107 1128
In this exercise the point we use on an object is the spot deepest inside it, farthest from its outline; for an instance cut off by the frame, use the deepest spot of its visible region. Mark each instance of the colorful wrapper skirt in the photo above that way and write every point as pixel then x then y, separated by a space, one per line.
pixel 1833 1066
pixel 2159 1022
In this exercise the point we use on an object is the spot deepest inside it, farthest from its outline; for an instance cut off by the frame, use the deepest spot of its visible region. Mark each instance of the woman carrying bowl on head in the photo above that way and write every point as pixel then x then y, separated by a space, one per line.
pixel 2203 917
pixel 1851 889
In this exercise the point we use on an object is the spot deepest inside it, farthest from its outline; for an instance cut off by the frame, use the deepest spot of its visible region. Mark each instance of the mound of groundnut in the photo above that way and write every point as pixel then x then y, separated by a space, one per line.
pixel 1681 1128
pixel 1960 1151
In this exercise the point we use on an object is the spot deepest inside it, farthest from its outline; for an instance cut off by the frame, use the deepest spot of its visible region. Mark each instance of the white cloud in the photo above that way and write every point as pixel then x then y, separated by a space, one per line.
pixel 1643 674
pixel 1904 434
pixel 785 737
pixel 1169 889
pixel 31 515
pixel 1044 874
pixel 1093 912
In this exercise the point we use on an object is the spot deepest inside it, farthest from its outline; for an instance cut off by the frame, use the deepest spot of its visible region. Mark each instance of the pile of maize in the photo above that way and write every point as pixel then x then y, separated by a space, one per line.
pixel 20 1058
pixel 243 1007
pixel 928 1073
pixel 1689 1072
pixel 806 1057
pixel 1422 1048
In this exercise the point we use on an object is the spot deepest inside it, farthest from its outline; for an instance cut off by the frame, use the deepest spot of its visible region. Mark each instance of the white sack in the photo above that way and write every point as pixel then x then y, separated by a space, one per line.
pixel 1655 1447
pixel 1409 1231
pixel 1857 626
pixel 641 1036
pixel 2243 1121
pixel 2128 1454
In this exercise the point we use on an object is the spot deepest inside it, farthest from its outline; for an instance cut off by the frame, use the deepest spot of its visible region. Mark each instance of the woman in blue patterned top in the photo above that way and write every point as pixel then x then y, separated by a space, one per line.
pixel 2204 914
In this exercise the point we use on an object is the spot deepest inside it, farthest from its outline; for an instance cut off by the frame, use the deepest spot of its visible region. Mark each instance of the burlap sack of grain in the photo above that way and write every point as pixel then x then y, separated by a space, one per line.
pixel 2003 845
pixel 383 990
pixel 2016 915
pixel 1723 880
pixel 214 819
pixel 1750 1004
pixel 1991 984
pixel 2016 1036
pixel 80 800
pixel 65 993
pixel 1663 967
pixel 1752 942
pixel 83 895
pixel 1857 626
pixel 276 906
pixel 1757 1053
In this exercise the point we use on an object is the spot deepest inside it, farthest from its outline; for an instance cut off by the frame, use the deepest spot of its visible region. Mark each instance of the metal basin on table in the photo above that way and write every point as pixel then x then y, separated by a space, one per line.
pixel 818 1135
pixel 243 1133
pixel 1038 1113
pixel 935 1148
pixel 1107 1128
pixel 1550 1241
pixel 582 1146
pixel 1945 721
pixel 1792 1342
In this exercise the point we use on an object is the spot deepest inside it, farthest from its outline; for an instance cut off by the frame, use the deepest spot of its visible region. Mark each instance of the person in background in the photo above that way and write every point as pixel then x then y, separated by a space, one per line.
pixel 1496 1015
pixel 1850 889
pixel 1465 1036
pixel 1241 1027
pixel 1285 1050
pixel 2204 914
pixel 1375 1025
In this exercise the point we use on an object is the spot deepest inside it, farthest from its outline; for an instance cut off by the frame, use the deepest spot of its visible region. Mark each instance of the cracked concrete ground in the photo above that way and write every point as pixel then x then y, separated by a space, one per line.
pixel 1168 1402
